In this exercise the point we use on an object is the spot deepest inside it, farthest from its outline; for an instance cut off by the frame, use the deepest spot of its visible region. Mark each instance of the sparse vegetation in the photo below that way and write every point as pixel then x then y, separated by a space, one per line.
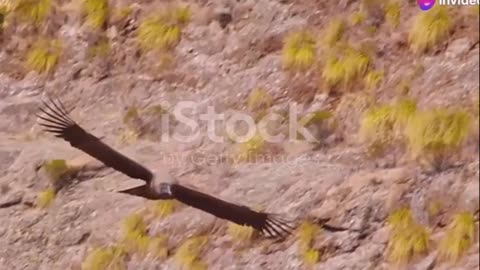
pixel 408 239
pixel 357 18
pixel 3 15
pixel 44 55
pixel 298 52
pixel 460 236
pixel 392 13
pixel 56 169
pixel 373 79
pixel 333 33
pixel 45 198
pixel 96 13
pixel 163 31
pixel 241 235
pixel 383 125
pixel 436 134
pixel 32 11
pixel 259 101
pixel 249 149
pixel 188 255
pixel 105 258
pixel 134 231
pixel 158 247
pixel 430 28
pixel 164 208
pixel 345 67
pixel 306 233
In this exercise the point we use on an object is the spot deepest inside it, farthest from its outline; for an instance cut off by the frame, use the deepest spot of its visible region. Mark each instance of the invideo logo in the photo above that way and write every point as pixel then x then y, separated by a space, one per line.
pixel 428 4
pixel 425 4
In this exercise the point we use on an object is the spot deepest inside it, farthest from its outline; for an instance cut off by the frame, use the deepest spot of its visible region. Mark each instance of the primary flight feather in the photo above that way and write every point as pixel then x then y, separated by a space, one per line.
pixel 56 120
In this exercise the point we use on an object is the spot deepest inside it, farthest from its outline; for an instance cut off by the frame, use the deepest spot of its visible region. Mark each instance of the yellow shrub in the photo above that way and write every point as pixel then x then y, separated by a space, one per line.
pixel 55 169
pixel 383 125
pixel 392 13
pixel 333 32
pixel 357 18
pixel 305 235
pixel 134 232
pixel 32 11
pixel 134 223
pixel 3 14
pixel 311 257
pixel 163 31
pixel 158 247
pixel 460 236
pixel 188 254
pixel 346 67
pixel 45 198
pixel 44 56
pixel 105 258
pixel 298 51
pixel 435 134
pixel 240 234
pixel 259 101
pixel 408 239
pixel 96 12
pixel 164 208
pixel 373 78
pixel 248 150
pixel 429 28
pixel 259 98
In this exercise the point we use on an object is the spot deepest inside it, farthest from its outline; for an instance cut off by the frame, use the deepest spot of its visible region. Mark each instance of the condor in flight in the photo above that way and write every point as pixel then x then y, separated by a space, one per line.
pixel 57 121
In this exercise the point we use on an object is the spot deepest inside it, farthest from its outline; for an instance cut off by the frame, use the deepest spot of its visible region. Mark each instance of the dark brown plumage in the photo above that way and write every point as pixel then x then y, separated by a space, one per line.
pixel 55 120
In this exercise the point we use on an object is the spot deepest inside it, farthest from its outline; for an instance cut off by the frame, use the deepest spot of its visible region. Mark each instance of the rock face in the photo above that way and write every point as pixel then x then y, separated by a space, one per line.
pixel 331 181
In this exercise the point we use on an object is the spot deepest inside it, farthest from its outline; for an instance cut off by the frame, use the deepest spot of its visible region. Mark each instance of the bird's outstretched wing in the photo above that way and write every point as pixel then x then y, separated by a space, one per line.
pixel 55 119
pixel 268 224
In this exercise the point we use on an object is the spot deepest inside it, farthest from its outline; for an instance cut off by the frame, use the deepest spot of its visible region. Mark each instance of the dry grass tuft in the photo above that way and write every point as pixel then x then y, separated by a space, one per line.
pixel 188 254
pixel 408 239
pixel 248 150
pixel 460 236
pixel 105 258
pixel 392 13
pixel 158 247
pixel 259 101
pixel 344 67
pixel 436 134
pixel 163 31
pixel 56 169
pixel 43 56
pixel 333 33
pixel 134 231
pixel 241 235
pixel 298 53
pixel 383 125
pixel 96 13
pixel 357 18
pixel 45 198
pixel 429 28
pixel 32 11
pixel 373 79
pixel 305 234
pixel 164 208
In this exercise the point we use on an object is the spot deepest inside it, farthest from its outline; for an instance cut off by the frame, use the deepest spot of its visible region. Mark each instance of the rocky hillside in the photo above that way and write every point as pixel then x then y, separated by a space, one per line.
pixel 385 178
